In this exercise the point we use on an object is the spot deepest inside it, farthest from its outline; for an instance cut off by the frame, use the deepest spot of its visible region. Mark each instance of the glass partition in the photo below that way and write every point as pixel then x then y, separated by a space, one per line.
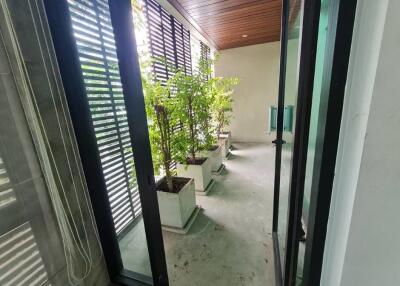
pixel 47 232
pixel 94 38
pixel 290 99
pixel 306 167
pixel 319 64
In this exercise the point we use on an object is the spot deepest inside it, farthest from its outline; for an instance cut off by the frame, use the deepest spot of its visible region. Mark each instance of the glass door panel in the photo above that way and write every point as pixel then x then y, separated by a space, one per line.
pixel 290 99
pixel 297 164
pixel 100 71
pixel 316 98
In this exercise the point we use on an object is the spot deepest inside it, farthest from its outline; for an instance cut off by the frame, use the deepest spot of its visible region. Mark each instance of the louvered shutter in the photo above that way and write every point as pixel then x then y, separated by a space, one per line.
pixel 169 45
pixel 205 53
pixel 168 41
pixel 97 53
pixel 183 55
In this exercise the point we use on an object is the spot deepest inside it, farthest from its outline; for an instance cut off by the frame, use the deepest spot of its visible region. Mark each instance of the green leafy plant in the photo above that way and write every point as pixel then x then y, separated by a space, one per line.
pixel 203 105
pixel 221 106
pixel 207 126
pixel 187 97
pixel 162 117
pixel 193 105
pixel 182 114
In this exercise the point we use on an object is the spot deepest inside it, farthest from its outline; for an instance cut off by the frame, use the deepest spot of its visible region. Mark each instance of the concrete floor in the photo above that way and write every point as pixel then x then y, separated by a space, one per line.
pixel 287 153
pixel 300 263
pixel 230 243
pixel 284 198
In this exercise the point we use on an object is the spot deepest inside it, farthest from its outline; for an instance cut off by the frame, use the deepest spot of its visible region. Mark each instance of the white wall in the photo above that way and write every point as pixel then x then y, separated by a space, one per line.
pixel 257 67
pixel 362 246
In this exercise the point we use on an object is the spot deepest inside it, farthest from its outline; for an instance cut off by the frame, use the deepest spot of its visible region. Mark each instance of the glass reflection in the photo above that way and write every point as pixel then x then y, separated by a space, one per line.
pixel 7 195
pixel 319 64
pixel 20 259
pixel 132 239
pixel 290 99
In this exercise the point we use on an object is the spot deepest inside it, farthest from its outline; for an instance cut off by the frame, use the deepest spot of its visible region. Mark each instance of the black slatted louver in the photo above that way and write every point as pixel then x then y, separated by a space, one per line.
pixel 97 53
pixel 183 55
pixel 205 53
pixel 169 42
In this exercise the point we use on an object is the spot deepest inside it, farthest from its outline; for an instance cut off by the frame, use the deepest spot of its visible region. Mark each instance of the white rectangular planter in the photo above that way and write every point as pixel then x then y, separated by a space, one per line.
pixel 216 158
pixel 223 142
pixel 176 208
pixel 200 173
pixel 228 136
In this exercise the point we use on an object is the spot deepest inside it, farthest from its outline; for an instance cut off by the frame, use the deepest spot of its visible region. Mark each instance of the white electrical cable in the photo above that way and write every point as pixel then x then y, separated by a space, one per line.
pixel 75 248
pixel 71 135
pixel 64 225
pixel 67 119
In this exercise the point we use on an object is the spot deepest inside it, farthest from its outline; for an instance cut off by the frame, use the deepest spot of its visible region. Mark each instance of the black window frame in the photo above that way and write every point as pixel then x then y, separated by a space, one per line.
pixel 99 66
pixel 336 59
pixel 68 61
pixel 171 45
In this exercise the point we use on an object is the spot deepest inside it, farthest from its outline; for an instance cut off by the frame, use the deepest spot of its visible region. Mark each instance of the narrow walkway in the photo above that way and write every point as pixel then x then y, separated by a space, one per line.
pixel 230 243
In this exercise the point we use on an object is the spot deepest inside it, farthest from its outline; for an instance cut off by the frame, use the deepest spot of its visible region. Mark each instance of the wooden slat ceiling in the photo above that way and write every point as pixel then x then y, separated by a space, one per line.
pixel 233 23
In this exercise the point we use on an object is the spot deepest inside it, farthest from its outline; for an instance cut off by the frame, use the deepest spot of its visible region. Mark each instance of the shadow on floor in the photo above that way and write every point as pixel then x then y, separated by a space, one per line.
pixel 230 243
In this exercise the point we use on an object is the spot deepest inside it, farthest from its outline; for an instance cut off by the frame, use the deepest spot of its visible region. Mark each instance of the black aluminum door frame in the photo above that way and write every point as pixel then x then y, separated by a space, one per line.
pixel 128 60
pixel 308 53
pixel 339 38
pixel 279 138
pixel 309 37
pixel 71 74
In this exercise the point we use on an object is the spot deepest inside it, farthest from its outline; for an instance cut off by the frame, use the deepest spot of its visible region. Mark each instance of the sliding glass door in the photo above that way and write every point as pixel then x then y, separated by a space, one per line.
pixel 289 103
pixel 315 46
pixel 98 61
pixel 312 139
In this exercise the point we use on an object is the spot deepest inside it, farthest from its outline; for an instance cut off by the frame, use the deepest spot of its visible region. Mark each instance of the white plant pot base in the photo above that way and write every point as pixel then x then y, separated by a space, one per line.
pixel 215 157
pixel 220 170
pixel 228 136
pixel 207 190
pixel 201 174
pixel 186 228
pixel 177 208
pixel 228 156
pixel 223 142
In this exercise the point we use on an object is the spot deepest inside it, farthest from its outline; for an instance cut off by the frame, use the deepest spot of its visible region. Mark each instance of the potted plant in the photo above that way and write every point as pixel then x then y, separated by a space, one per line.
pixel 176 195
pixel 221 109
pixel 209 146
pixel 190 100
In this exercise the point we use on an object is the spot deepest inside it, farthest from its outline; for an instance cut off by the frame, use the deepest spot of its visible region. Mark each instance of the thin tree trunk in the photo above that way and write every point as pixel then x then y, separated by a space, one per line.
pixel 192 135
pixel 168 177
pixel 163 125
pixel 219 127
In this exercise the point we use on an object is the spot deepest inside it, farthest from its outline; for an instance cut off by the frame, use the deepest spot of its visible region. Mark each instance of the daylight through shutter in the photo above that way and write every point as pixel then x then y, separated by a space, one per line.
pixel 169 45
pixel 97 53
pixel 205 53
pixel 169 42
